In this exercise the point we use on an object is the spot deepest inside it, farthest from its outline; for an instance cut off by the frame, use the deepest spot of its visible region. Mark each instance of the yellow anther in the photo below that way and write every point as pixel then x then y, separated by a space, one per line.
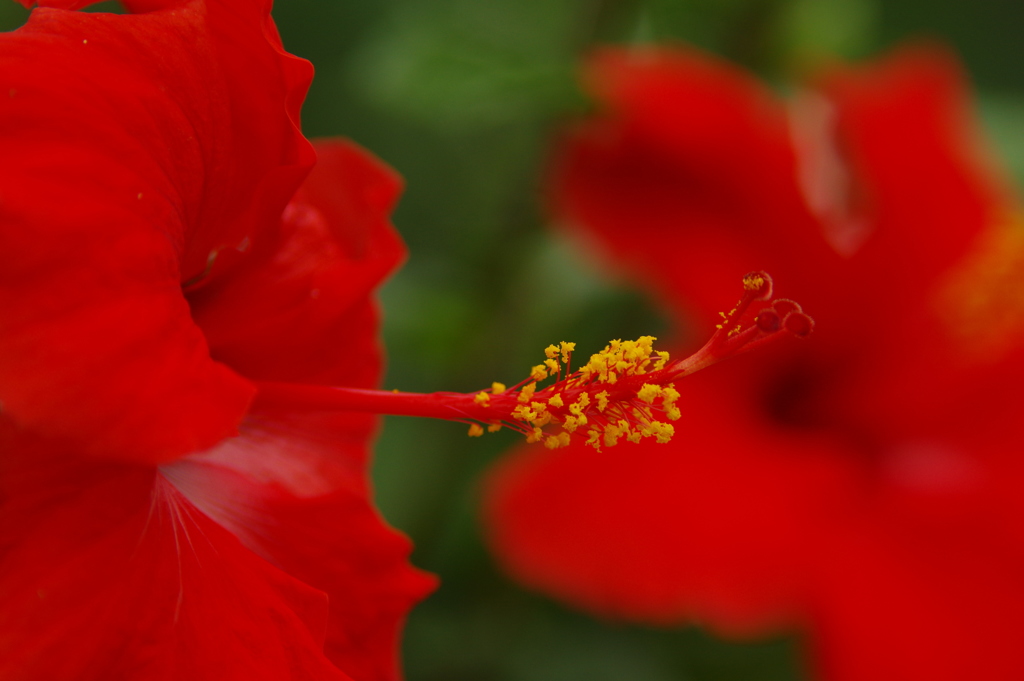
pixel 542 415
pixel 612 433
pixel 619 362
pixel 666 432
pixel 556 441
pixel 497 388
pixel 649 393
pixel 662 432
pixel 580 404
pixel 475 430
pixel 482 398
pixel 523 413
pixel 494 428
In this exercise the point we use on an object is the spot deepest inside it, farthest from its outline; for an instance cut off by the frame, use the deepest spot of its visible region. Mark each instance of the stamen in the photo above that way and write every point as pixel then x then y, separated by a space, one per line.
pixel 625 391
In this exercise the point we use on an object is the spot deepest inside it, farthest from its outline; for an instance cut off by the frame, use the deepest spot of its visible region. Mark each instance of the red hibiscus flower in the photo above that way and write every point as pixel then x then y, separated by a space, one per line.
pixel 865 484
pixel 162 253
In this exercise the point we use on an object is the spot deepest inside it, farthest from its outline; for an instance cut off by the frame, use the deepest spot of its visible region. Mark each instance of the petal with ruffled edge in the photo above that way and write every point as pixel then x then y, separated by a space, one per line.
pixel 293 487
pixel 139 148
pixel 686 177
pixel 109 572
pixel 300 307
pixel 857 199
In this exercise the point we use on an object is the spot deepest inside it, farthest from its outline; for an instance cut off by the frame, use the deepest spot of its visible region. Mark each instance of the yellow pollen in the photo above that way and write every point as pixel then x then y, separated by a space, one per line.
pixel 543 416
pixel 523 413
pixel 580 404
pixel 753 282
pixel 475 430
pixel 582 401
pixel 567 349
pixel 556 441
pixel 649 393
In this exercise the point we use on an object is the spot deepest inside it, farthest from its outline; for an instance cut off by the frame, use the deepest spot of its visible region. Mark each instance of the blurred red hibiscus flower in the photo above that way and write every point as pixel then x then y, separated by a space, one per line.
pixel 863 485
pixel 162 252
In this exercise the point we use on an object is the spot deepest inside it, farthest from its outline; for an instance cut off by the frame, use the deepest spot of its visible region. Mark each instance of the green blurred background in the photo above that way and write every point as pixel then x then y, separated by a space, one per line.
pixel 462 97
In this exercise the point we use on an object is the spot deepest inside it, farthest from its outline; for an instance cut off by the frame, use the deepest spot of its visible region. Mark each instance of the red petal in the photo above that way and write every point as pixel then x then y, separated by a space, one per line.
pixel 109 572
pixel 715 525
pixel 136 146
pixel 691 176
pixel 688 177
pixel 294 489
pixel 300 308
pixel 906 597
pixel 906 125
